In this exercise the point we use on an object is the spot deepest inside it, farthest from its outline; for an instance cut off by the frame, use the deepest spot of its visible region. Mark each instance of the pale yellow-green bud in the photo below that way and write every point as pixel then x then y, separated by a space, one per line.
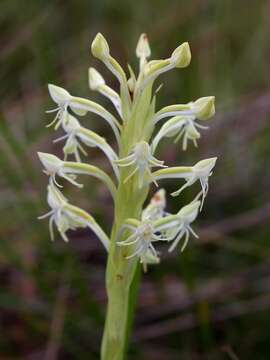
pixel 204 108
pixel 100 48
pixel 95 79
pixel 181 56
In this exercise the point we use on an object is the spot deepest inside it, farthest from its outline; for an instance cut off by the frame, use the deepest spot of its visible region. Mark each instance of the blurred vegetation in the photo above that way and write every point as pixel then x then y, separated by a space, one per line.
pixel 212 301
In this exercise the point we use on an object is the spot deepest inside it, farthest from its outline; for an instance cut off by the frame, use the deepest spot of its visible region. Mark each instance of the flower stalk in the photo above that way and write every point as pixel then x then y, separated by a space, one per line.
pixel 135 230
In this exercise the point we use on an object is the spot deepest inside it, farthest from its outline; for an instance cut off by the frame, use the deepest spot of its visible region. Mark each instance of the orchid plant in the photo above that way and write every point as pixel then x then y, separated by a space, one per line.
pixel 138 130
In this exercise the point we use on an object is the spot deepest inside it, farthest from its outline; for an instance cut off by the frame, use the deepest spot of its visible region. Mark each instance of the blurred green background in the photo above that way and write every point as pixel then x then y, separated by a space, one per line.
pixel 212 301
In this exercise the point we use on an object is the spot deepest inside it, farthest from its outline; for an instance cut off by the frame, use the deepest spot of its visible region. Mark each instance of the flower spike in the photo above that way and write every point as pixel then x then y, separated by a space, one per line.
pixel 142 158
pixel 136 229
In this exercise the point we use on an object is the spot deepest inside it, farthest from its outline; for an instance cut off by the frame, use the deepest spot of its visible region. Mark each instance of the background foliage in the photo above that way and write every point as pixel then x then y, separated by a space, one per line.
pixel 212 302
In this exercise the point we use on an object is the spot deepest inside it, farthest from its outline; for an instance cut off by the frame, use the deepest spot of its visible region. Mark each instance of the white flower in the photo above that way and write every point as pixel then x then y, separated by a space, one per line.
pixel 186 216
pixel 201 172
pixel 69 170
pixel 143 160
pixel 62 98
pixel 164 228
pixel 179 126
pixel 59 215
pixel 79 106
pixel 76 134
pixel 202 109
pixel 54 166
pixel 142 238
pixel 68 217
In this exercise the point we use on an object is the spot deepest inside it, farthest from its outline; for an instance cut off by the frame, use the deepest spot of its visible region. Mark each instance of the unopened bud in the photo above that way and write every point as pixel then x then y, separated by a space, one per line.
pixel 143 48
pixel 95 79
pixel 100 48
pixel 181 56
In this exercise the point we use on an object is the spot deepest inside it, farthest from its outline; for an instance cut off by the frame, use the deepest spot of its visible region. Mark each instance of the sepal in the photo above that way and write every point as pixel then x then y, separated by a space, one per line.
pixel 204 108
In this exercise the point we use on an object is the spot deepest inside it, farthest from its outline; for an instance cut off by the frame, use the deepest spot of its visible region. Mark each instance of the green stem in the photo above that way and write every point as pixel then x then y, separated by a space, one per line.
pixel 120 278
pixel 122 275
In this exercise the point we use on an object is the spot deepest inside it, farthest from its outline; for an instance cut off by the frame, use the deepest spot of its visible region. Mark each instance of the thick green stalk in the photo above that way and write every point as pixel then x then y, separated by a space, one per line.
pixel 129 202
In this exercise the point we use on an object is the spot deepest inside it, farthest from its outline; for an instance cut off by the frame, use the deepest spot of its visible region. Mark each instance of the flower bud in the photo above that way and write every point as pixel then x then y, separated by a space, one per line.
pixel 50 162
pixel 181 56
pixel 95 79
pixel 143 48
pixel 100 48
pixel 58 94
pixel 204 108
